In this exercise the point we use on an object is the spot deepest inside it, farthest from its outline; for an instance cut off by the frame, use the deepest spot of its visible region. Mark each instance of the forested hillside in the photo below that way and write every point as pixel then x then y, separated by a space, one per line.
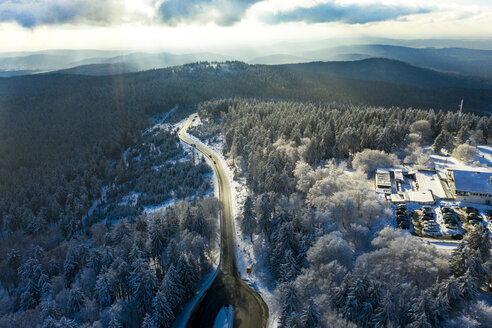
pixel 91 250
pixel 78 168
pixel 317 224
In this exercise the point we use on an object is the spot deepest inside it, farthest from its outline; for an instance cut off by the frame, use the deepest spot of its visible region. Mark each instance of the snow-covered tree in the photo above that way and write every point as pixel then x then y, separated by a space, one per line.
pixel 465 152
pixel 423 312
pixel 162 312
pixel 103 290
pixel 443 141
pixel 248 220
pixel 310 315
pixel 331 247
pixel 385 314
pixel 172 284
pixel 422 128
pixel 369 160
pixel 143 285
pixel 75 300
pixel 290 305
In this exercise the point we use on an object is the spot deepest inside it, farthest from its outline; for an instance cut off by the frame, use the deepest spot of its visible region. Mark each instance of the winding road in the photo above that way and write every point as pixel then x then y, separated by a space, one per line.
pixel 228 288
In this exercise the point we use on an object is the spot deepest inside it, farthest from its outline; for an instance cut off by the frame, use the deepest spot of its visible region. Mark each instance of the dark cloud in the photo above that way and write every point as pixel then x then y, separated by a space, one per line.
pixel 31 13
pixel 221 12
pixel 350 14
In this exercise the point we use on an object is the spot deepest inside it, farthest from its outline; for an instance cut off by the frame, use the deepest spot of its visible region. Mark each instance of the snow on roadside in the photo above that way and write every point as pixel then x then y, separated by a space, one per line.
pixel 246 256
pixel 185 313
pixel 225 318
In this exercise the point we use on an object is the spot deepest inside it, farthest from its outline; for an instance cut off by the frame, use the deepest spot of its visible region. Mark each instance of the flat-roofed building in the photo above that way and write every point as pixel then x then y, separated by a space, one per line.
pixel 472 186
pixel 383 181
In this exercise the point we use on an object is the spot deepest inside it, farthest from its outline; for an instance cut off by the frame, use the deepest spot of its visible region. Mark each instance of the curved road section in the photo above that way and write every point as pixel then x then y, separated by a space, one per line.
pixel 228 288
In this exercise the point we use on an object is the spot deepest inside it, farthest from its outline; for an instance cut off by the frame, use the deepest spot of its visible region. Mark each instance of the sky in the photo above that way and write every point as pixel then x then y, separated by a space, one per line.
pixel 192 25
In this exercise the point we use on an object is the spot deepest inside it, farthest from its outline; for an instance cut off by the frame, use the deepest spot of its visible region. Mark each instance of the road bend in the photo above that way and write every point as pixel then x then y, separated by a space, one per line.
pixel 250 311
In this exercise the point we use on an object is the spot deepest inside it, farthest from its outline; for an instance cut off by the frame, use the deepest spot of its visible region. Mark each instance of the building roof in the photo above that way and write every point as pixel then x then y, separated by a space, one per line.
pixel 383 179
pixel 429 180
pixel 473 181
pixel 421 197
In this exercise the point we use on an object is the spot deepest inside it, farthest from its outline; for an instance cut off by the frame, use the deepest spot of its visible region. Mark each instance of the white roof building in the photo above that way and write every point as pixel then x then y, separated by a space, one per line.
pixel 472 186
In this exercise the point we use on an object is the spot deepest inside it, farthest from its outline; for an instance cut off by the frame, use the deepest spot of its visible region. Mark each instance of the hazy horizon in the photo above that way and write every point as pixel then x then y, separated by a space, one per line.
pixel 220 25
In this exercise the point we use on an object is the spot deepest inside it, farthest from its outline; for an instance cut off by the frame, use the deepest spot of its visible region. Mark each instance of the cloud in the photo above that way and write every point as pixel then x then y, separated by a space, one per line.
pixel 221 12
pixel 32 13
pixel 349 14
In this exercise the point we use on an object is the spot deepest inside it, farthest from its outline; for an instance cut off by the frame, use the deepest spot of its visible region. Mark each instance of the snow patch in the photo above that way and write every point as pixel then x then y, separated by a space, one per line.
pixel 225 318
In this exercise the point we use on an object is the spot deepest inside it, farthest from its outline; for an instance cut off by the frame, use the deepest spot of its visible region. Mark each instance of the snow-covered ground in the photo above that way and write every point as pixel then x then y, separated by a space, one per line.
pixel 484 159
pixel 246 256
pixel 225 318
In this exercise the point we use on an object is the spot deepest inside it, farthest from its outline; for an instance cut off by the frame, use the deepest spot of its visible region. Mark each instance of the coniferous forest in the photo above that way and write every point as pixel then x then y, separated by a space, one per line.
pixel 81 165
pixel 318 225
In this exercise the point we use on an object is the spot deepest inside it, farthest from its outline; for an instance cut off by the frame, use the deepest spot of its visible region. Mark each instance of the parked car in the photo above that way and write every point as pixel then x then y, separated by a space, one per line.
pixel 473 216
pixel 404 224
pixel 427 210
pixel 448 215
pixel 488 214
pixel 401 208
pixel 401 217
pixel 450 220
pixel 452 226
pixel 400 212
pixel 428 218
pixel 470 209
pixel 447 210
pixel 475 222
pixel 430 228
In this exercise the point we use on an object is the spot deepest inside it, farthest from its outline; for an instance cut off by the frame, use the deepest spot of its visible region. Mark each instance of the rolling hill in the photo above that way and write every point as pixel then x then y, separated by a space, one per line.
pixel 456 60
pixel 393 71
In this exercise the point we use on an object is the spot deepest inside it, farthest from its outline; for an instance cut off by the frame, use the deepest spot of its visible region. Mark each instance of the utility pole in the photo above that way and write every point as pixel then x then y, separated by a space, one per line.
pixel 461 107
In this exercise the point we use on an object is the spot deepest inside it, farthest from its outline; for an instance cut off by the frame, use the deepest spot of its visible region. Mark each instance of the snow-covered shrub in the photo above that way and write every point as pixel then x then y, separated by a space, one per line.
pixel 465 152
pixel 369 160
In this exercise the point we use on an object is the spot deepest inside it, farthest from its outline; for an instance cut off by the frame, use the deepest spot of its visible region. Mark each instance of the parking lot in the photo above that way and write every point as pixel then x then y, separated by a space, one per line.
pixel 441 221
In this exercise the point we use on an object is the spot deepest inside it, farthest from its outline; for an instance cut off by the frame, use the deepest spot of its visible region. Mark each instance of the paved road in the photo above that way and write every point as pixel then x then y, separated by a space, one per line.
pixel 228 288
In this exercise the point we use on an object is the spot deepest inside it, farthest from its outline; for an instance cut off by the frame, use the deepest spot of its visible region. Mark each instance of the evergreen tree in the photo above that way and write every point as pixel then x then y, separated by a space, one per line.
pixel 248 220
pixel 103 290
pixel 163 314
pixel 289 302
pixel 310 316
pixel 289 269
pixel 442 141
pixel 385 314
pixel 422 312
pixel 75 300
pixel 143 285
pixel 478 239
pixel 173 286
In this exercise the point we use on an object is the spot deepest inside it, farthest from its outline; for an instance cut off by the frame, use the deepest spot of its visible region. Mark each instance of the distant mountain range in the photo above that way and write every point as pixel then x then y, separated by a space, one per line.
pixel 96 62
pixel 456 60
pixel 463 61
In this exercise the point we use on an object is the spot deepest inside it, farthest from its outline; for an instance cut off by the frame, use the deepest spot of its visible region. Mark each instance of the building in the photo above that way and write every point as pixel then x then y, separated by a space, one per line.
pixel 471 186
pixel 399 185
pixel 382 181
